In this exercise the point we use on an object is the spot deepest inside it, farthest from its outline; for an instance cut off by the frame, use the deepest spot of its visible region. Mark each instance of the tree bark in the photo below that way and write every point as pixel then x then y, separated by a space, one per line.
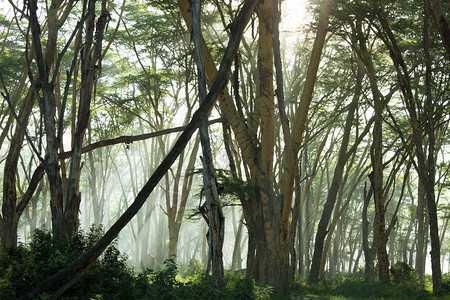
pixel 215 219
pixel 369 252
pixel 90 67
pixel 376 154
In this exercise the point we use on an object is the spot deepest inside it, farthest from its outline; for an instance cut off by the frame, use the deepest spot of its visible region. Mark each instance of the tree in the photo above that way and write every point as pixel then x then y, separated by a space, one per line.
pixel 214 215
pixel 425 162
pixel 344 155
pixel 81 265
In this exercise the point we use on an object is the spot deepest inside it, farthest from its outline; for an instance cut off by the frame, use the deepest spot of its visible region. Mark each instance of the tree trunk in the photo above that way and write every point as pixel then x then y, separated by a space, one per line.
pixel 215 218
pixel 425 162
pixel 10 213
pixel 343 157
pixel 376 154
pixel 369 252
pixel 175 220
pixel 421 230
pixel 430 163
pixel 90 66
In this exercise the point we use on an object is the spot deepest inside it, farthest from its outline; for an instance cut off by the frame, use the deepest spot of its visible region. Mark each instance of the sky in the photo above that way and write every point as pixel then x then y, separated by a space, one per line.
pixel 293 14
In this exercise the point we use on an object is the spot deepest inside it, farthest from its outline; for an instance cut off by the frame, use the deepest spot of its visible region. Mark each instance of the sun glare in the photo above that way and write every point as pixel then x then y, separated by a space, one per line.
pixel 293 15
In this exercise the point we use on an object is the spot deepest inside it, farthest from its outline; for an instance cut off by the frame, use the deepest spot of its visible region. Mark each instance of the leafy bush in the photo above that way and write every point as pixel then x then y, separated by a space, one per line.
pixel 24 267
pixel 445 288
pixel 194 267
pixel 405 285
pixel 406 279
pixel 240 286
pixel 371 290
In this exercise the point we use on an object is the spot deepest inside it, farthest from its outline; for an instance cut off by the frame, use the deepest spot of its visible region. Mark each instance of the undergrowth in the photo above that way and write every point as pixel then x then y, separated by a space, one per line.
pixel 25 266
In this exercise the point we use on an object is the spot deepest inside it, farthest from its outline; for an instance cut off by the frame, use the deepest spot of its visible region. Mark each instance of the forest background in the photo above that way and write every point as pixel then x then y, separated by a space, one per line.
pixel 329 140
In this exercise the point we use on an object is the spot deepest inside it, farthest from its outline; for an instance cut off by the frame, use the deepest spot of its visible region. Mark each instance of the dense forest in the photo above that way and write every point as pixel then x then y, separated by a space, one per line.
pixel 224 149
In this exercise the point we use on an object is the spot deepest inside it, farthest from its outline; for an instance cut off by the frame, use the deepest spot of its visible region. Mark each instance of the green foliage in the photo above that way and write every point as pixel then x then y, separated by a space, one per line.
pixel 376 290
pixel 402 272
pixel 240 286
pixel 445 288
pixel 165 284
pixel 194 267
pixel 25 266
pixel 231 190
pixel 405 285
pixel 109 278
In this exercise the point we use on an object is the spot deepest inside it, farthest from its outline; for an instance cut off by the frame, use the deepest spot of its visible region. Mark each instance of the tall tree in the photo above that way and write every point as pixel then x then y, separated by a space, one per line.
pixel 215 218
pixel 343 157
pixel 80 266
pixel 425 161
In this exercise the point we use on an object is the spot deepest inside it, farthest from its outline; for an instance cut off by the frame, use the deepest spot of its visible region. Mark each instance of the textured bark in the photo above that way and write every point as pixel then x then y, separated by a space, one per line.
pixel 270 264
pixel 379 226
pixel 369 251
pixel 430 162
pixel 377 163
pixel 48 109
pixel 421 231
pixel 294 226
pixel 215 218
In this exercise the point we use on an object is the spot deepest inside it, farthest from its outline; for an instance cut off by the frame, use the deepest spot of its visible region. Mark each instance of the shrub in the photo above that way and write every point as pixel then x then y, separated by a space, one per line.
pixel 194 267
pixel 445 288
pixel 24 267
pixel 240 286
pixel 362 289
pixel 406 280
pixel 377 290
